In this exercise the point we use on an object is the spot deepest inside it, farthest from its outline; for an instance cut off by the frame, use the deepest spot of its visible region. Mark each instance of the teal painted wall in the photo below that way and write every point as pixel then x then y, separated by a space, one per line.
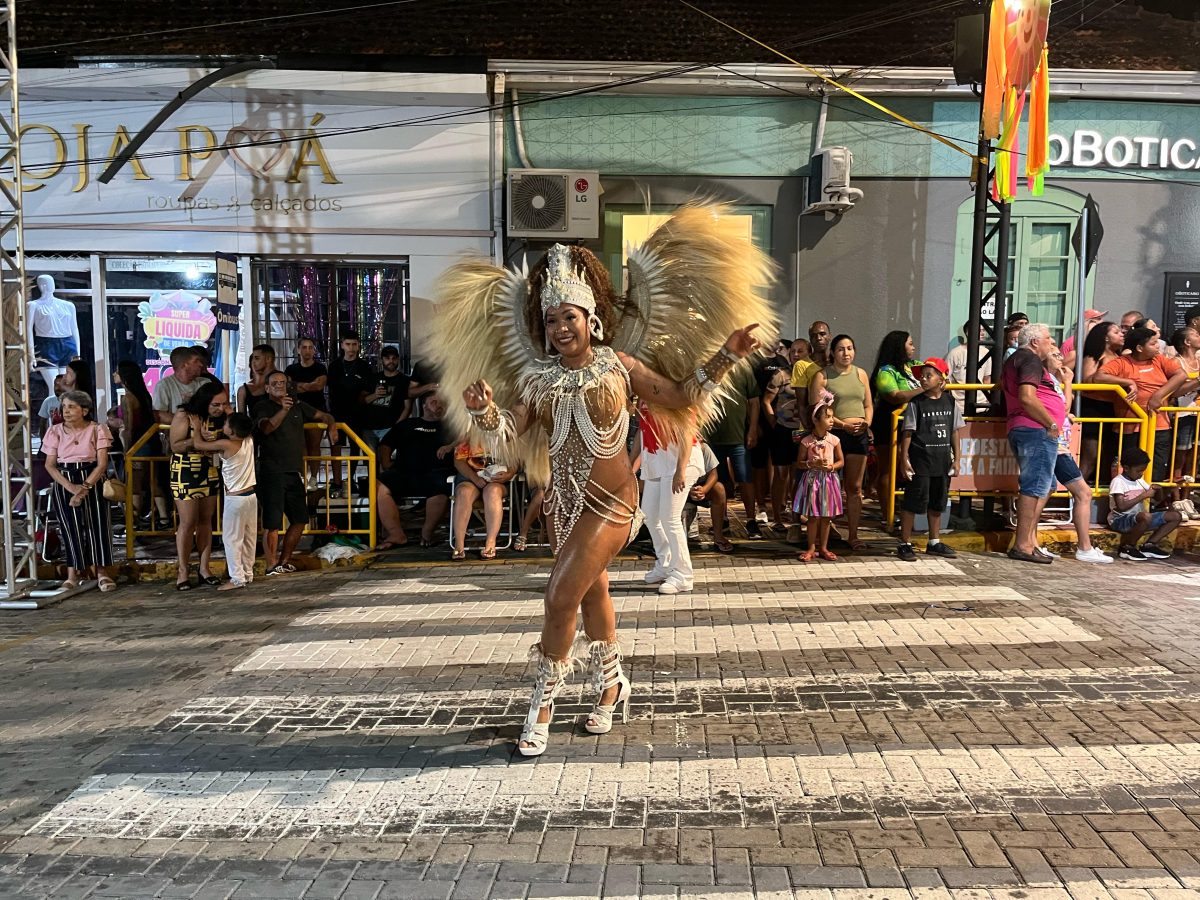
pixel 773 136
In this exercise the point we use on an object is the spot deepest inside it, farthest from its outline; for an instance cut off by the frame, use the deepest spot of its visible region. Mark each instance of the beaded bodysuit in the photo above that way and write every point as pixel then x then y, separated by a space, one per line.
pixel 584 414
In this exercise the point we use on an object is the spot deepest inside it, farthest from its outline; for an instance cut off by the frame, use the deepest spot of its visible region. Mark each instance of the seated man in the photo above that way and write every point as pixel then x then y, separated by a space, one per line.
pixel 709 492
pixel 1129 514
pixel 415 461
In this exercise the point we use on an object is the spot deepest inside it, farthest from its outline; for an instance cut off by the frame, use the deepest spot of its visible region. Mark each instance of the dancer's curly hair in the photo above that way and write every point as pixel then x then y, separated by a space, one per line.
pixel 609 307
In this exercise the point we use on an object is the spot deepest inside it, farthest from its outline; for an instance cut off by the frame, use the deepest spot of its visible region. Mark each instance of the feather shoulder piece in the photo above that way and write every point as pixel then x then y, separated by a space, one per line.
pixel 693 282
pixel 481 331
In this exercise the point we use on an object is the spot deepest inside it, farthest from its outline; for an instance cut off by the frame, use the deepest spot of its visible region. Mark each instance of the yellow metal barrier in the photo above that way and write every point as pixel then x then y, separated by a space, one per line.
pixel 1138 417
pixel 1182 460
pixel 156 465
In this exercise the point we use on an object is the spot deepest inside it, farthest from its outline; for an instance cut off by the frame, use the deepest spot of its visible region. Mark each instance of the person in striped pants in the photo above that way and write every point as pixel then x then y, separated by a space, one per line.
pixel 77 458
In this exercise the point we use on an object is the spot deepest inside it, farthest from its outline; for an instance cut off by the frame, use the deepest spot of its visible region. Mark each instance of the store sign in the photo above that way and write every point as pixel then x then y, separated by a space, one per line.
pixel 173 319
pixel 266 166
pixel 228 309
pixel 1088 149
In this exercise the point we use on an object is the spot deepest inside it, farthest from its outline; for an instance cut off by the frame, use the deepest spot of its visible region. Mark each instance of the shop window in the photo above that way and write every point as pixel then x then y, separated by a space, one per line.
pixel 630 224
pixel 320 300
pixel 155 304
pixel 73 282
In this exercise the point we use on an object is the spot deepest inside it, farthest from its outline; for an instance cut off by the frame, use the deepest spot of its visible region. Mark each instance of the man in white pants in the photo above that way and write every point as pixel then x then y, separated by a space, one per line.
pixel 667 474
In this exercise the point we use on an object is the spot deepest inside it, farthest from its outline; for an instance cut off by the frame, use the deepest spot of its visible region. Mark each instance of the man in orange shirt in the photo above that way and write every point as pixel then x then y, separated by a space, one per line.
pixel 1151 379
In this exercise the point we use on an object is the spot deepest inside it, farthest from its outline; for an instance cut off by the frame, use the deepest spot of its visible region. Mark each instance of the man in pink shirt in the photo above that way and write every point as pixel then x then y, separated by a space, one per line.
pixel 1035 415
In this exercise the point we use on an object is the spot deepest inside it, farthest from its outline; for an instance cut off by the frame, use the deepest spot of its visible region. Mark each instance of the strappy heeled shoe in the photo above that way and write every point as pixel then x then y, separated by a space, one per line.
pixel 605 668
pixel 548 682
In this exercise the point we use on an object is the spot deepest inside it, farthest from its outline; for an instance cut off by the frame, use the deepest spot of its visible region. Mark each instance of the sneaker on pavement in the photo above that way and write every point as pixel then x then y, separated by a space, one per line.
pixel 1154 551
pixel 907 552
pixel 1092 555
pixel 655 576
pixel 752 528
pixel 276 570
pixel 1133 554
pixel 940 549
pixel 761 518
pixel 1049 554
pixel 675 586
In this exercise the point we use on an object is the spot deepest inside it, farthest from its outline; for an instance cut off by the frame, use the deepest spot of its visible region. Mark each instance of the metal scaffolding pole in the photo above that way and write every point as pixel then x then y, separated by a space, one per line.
pixel 17 557
pixel 989 264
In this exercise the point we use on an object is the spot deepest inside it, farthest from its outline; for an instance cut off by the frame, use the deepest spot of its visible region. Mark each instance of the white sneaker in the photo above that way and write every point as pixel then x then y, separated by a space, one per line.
pixel 655 576
pixel 1050 554
pixel 762 519
pixel 1181 507
pixel 675 585
pixel 1092 556
pixel 1191 509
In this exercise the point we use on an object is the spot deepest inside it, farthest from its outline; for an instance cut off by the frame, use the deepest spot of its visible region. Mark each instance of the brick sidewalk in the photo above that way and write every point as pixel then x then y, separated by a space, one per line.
pixel 868 728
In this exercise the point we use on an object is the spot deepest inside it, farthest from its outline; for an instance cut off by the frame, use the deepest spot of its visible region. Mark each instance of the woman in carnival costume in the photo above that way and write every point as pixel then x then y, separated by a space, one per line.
pixel 556 348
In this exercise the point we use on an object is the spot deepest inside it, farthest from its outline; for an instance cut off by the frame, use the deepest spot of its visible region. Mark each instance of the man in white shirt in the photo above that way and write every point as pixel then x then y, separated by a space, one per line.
pixel 178 388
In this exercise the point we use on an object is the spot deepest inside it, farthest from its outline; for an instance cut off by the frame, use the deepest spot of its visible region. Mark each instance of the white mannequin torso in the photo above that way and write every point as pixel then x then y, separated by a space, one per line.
pixel 51 316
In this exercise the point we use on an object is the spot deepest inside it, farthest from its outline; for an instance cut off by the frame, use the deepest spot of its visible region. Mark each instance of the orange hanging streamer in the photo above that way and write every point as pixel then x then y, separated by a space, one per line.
pixel 997 73
pixel 1037 160
pixel 1017 67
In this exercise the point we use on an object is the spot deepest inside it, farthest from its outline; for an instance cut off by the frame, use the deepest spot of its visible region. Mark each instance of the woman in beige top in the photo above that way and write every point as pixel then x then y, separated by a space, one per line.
pixel 852 411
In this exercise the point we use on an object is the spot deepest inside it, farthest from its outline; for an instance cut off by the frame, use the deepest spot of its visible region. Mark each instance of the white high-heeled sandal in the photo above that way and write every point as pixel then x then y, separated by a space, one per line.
pixel 548 682
pixel 605 668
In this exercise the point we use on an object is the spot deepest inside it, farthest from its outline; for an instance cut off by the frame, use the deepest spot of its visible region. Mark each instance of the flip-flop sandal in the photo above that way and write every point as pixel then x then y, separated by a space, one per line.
pixel 520 545
pixel 458 555
pixel 389 545
pixel 210 580
pixel 107 585
pixel 183 585
pixel 806 556
pixel 827 555
pixel 857 544
pixel 723 546
pixel 487 554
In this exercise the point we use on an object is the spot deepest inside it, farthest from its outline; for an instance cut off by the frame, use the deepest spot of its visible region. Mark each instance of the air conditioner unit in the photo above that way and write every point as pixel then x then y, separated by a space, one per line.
pixel 829 188
pixel 553 204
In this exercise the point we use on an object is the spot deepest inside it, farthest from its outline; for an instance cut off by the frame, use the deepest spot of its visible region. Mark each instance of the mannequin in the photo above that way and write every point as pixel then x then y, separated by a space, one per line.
pixel 53 331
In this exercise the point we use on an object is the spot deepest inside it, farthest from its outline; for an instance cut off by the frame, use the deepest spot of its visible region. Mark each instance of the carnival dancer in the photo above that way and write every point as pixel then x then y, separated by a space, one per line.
pixel 673 338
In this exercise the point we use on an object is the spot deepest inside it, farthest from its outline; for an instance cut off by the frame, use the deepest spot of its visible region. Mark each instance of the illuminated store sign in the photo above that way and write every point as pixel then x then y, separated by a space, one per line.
pixel 1087 149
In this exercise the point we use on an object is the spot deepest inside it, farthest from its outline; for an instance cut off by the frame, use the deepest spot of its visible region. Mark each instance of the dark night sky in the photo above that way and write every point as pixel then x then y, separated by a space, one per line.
pixel 1084 33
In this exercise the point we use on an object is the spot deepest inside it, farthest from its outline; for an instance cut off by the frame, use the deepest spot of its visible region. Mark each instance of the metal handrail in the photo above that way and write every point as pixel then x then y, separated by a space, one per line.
pixel 1138 418
pixel 365 454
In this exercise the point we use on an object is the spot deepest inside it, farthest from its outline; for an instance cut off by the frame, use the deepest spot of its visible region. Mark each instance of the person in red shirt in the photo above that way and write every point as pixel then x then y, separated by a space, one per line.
pixel 1151 379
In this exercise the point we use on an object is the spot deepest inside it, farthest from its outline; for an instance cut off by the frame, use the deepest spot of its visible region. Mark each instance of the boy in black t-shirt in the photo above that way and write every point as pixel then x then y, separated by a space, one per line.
pixel 926 458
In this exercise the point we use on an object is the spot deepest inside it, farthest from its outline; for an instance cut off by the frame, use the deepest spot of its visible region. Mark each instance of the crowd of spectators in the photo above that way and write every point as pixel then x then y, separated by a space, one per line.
pixel 804 436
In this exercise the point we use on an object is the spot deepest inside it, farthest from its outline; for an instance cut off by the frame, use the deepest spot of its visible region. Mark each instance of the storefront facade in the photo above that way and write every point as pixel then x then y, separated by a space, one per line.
pixel 341 197
pixel 901 257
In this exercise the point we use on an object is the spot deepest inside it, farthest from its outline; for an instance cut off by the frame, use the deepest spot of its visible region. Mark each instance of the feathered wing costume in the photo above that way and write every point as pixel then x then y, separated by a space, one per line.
pixel 691 284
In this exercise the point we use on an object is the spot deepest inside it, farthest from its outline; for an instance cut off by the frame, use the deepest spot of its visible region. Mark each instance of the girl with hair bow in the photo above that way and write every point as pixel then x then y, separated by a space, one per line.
pixel 819 495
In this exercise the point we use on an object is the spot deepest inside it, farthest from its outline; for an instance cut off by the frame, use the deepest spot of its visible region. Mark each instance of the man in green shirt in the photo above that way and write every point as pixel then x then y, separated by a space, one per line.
pixel 731 434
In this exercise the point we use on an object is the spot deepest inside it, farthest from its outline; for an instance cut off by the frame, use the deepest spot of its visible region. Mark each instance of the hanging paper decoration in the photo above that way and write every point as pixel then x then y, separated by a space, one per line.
pixel 1017 67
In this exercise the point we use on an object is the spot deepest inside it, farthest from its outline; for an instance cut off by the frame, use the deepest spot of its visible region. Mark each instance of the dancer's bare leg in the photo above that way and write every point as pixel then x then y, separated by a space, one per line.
pixel 577 573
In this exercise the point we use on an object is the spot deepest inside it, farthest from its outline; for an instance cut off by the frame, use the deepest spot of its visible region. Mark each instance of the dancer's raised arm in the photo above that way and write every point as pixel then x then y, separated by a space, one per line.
pixel 662 391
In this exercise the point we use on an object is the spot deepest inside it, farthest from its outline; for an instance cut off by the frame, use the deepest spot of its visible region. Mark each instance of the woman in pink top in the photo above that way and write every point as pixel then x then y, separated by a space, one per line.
pixel 76 458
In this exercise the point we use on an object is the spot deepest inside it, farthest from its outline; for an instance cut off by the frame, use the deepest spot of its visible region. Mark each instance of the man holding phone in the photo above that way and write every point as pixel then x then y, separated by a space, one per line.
pixel 280 419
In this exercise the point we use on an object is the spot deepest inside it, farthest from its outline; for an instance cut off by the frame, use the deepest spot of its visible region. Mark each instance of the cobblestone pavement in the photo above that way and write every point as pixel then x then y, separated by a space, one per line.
pixel 866 728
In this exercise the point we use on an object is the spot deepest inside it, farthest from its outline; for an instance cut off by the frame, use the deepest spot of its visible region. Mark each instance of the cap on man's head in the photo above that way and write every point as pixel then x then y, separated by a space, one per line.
pixel 1094 315
pixel 938 363
pixel 1016 317
pixel 389 351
